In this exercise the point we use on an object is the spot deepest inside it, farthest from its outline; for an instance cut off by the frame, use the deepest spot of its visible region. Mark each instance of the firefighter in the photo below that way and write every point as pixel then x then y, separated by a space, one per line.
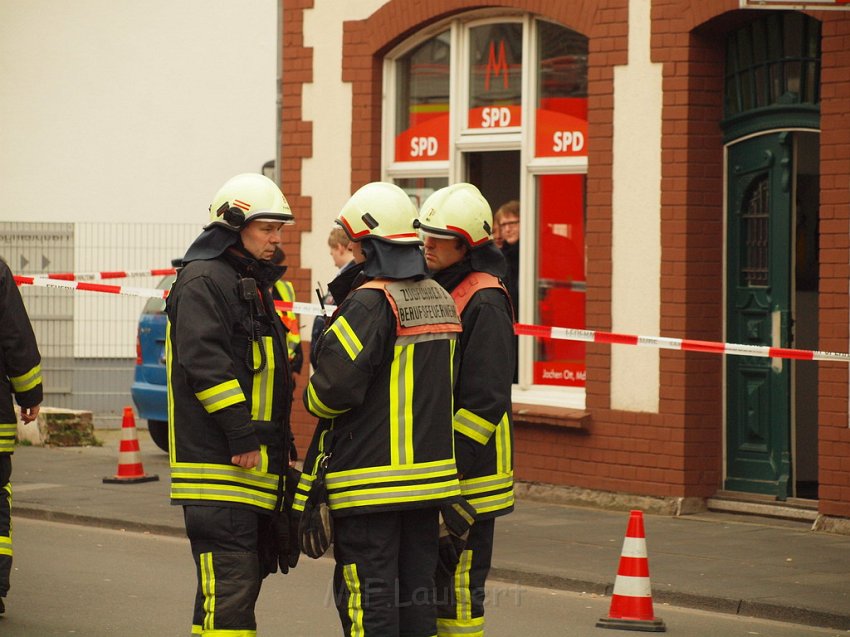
pixel 456 222
pixel 283 290
pixel 229 399
pixel 20 375
pixel 383 389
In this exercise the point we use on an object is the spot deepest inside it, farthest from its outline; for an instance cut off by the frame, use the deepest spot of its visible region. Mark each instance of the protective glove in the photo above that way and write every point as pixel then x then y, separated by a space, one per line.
pixel 288 555
pixel 315 529
pixel 456 518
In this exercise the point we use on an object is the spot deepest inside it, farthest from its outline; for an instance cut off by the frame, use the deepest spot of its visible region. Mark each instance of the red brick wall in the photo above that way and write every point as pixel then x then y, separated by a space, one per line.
pixel 677 452
pixel 296 145
pixel 834 435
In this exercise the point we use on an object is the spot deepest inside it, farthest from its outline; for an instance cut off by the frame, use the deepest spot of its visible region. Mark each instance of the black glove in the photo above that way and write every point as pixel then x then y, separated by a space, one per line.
pixel 286 542
pixel 456 518
pixel 288 555
pixel 315 529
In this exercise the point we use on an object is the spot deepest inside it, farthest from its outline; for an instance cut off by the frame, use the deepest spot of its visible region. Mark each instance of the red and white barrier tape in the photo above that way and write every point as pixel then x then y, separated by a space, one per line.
pixel 522 329
pixel 100 276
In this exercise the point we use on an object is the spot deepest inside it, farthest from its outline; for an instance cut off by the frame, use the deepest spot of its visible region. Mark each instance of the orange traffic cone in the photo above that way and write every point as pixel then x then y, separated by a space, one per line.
pixel 631 602
pixel 129 459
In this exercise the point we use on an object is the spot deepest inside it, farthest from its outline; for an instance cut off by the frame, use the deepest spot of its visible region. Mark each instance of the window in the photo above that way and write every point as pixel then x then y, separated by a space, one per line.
pixel 501 102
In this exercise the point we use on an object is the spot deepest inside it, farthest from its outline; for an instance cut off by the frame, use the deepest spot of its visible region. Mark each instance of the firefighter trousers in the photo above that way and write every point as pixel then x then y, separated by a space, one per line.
pixel 5 522
pixel 384 575
pixel 460 598
pixel 224 544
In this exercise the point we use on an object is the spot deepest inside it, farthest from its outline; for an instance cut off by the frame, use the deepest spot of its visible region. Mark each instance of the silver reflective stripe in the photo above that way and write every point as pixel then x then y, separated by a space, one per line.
pixel 385 474
pixel 424 338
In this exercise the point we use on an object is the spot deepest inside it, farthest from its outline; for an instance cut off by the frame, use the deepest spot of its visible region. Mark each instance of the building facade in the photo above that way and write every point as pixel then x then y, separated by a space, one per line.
pixel 682 170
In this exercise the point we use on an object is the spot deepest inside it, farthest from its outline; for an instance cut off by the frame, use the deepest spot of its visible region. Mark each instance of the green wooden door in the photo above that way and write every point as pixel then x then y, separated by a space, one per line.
pixel 760 184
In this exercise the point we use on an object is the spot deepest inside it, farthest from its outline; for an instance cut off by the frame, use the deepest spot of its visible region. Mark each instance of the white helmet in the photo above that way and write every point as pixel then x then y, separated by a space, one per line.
pixel 380 210
pixel 248 197
pixel 459 210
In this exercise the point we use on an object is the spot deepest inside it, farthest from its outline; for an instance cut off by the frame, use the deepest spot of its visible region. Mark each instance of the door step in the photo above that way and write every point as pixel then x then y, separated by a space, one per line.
pixel 764 506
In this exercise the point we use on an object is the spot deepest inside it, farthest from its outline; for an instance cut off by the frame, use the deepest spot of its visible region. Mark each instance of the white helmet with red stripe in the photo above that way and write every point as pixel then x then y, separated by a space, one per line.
pixel 460 211
pixel 380 210
pixel 248 197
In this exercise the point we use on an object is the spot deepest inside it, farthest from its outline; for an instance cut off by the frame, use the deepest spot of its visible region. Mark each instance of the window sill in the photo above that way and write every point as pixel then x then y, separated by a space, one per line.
pixel 557 417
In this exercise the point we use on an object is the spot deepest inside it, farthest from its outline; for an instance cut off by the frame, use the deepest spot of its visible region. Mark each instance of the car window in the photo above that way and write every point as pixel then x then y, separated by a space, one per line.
pixel 157 306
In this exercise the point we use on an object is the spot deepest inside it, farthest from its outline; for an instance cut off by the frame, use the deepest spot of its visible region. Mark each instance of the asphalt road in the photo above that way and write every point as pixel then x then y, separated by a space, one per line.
pixel 93 582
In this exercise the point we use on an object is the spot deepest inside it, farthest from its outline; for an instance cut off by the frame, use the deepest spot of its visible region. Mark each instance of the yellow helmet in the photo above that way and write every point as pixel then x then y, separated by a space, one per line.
pixel 248 197
pixel 380 210
pixel 459 210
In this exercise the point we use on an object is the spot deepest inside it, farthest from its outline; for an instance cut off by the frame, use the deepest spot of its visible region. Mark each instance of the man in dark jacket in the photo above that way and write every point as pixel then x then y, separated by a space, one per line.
pixel 383 387
pixel 20 376
pixel 229 397
pixel 456 222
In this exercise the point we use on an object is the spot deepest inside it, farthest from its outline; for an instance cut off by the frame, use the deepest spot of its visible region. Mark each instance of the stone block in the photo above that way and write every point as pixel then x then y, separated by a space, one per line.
pixel 56 427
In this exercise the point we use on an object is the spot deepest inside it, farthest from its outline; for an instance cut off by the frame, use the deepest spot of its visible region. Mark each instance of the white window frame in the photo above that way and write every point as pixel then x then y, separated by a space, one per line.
pixel 465 140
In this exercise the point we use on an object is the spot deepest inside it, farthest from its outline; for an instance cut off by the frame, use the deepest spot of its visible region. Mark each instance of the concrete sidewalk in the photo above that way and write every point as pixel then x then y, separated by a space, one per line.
pixel 734 564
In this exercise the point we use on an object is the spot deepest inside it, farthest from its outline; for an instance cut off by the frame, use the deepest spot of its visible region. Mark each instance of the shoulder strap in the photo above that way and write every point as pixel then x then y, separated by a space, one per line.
pixel 475 281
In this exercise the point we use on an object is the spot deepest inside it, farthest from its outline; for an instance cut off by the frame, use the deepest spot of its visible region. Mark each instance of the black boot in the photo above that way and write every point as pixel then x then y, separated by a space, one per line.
pixel 2 606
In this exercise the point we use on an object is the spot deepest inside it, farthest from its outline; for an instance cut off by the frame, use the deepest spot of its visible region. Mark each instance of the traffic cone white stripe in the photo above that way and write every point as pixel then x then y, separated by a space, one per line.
pixel 632 586
pixel 634 547
pixel 130 467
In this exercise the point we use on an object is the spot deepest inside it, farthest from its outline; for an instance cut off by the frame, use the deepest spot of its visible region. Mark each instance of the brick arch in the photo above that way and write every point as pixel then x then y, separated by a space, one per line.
pixel 366 41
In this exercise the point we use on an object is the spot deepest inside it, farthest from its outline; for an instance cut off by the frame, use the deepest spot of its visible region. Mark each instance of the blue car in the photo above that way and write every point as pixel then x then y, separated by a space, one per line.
pixel 149 390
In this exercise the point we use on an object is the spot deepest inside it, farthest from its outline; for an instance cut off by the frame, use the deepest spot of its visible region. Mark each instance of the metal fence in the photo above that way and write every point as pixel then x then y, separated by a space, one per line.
pixel 88 339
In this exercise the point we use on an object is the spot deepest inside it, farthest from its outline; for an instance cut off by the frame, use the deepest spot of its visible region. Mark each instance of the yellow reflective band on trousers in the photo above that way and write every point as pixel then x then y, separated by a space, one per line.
pixel 227 483
pixel 341 328
pixel 355 600
pixel 6 540
pixel 318 408
pixel 7 437
pixel 401 406
pixel 263 383
pixel 463 596
pixel 27 381
pixel 208 629
pixel 473 426
pixel 220 396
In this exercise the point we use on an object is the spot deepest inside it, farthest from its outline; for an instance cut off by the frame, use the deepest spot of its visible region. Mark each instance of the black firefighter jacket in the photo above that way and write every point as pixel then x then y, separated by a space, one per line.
pixel 483 422
pixel 385 400
pixel 228 386
pixel 20 362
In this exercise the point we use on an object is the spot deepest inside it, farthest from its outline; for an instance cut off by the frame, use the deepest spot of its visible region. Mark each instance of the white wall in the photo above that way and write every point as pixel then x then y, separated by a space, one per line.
pixel 636 227
pixel 326 176
pixel 132 110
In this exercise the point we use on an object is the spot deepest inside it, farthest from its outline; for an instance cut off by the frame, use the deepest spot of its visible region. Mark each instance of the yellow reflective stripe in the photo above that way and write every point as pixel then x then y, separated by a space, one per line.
pixel 401 406
pixel 7 437
pixel 435 469
pixel 263 383
pixel 227 632
pixel 5 546
pixel 208 589
pixel 503 446
pixel 394 495
pixel 27 381
pixel 220 396
pixel 487 483
pixel 463 595
pixel 460 627
pixel 473 426
pixel 263 464
pixel 222 493
pixel 491 503
pixel 355 600
pixel 197 630
pixel 346 337
pixel 224 473
pixel 317 407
